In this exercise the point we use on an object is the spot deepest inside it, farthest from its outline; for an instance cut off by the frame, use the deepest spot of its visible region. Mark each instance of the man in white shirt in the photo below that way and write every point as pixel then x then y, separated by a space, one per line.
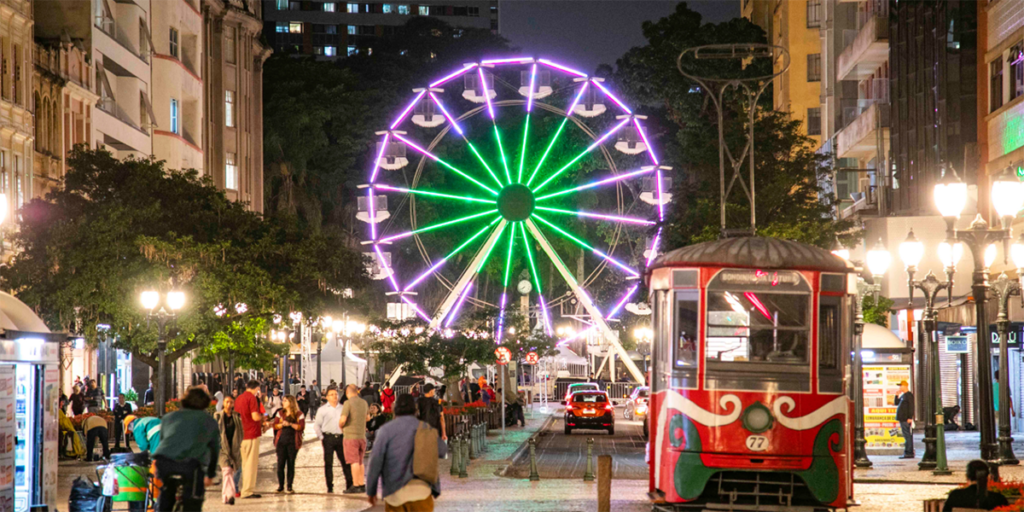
pixel 328 431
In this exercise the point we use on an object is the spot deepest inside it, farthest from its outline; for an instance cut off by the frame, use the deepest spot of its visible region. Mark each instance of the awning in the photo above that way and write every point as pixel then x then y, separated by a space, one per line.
pixel 877 337
pixel 16 316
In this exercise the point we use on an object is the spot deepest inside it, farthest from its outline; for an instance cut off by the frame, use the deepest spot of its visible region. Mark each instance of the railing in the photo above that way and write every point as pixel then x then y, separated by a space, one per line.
pixel 116 32
pixel 109 105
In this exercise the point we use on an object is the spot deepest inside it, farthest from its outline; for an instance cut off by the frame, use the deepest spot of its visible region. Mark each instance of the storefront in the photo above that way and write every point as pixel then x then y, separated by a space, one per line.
pixel 887 361
pixel 29 391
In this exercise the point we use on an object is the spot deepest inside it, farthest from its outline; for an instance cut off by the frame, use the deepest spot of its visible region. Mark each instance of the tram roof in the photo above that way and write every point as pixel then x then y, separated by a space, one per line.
pixel 754 252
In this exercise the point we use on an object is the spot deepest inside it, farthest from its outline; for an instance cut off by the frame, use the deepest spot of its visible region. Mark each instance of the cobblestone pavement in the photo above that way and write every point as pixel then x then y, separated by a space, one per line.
pixel 562 456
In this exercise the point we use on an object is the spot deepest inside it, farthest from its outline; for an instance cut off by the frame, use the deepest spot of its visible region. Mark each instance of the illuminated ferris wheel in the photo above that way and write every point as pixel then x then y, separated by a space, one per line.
pixel 507 193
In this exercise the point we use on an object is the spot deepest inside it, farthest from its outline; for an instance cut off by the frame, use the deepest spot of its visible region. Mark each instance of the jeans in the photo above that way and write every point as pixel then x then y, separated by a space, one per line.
pixel 186 475
pixel 90 442
pixel 286 453
pixel 908 438
pixel 333 445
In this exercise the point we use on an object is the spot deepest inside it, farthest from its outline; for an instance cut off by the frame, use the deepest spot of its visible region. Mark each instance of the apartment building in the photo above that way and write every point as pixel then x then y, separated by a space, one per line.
pixel 1000 88
pixel 16 116
pixel 336 29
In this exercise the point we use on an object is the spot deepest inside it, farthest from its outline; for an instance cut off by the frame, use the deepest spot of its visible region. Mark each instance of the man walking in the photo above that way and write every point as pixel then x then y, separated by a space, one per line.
pixel 189 453
pixel 392 461
pixel 429 410
pixel 121 411
pixel 328 430
pixel 314 399
pixel 905 415
pixel 249 407
pixel 353 425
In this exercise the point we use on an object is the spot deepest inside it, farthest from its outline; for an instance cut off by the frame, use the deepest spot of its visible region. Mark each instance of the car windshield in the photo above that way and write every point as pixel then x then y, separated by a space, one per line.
pixel 589 398
pixel 642 393
pixel 580 387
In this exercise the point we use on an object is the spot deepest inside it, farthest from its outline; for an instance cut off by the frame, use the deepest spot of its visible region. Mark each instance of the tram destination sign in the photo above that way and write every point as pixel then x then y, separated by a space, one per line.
pixel 769 278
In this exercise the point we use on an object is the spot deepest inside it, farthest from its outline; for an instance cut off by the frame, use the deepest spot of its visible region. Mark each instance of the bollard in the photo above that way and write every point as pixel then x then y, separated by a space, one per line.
pixel 604 483
pixel 589 475
pixel 463 473
pixel 453 448
pixel 483 438
pixel 534 475
pixel 473 439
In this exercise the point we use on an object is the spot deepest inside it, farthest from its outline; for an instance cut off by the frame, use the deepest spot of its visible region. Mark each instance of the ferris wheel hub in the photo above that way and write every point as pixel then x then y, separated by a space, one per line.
pixel 516 202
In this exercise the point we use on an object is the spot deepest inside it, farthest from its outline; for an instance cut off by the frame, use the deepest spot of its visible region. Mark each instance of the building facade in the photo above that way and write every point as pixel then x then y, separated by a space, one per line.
pixel 17 126
pixel 336 29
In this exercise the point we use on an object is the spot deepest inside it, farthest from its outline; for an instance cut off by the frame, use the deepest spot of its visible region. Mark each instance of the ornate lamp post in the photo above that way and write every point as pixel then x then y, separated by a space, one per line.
pixel 167 314
pixel 1008 197
pixel 1004 288
pixel 911 252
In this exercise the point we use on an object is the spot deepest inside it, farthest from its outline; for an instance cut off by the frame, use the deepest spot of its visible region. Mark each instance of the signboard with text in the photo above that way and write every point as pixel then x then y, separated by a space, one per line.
pixel 956 345
pixel 881 385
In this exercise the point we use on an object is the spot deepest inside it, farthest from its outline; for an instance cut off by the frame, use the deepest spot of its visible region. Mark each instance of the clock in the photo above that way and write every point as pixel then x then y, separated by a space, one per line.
pixel 524 287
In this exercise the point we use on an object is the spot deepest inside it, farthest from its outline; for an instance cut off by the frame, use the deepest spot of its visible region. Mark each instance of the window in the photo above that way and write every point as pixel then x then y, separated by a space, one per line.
pixel 230 172
pixel 813 13
pixel 19 187
pixel 687 314
pixel 814 67
pixel 173 42
pixel 295 27
pixel 403 9
pixel 282 28
pixel 229 108
pixel 473 11
pixel 330 29
pixel 282 5
pixel 229 45
pixel 386 8
pixel 331 51
pixel 367 30
pixel 1017 70
pixel 329 7
pixel 351 50
pixel 352 8
pixel 174 117
pixel 351 30
pixel 588 398
pixel 995 82
pixel 424 10
pixel 828 333
pixel 814 121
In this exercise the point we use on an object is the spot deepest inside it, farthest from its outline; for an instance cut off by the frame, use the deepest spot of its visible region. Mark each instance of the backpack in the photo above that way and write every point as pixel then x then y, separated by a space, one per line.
pixel 425 454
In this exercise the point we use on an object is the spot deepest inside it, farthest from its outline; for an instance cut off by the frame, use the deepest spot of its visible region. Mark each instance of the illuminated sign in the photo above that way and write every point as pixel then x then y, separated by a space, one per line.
pixel 761 277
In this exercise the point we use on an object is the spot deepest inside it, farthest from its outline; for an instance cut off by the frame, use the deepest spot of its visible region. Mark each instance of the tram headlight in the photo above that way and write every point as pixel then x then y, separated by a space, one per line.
pixel 757 418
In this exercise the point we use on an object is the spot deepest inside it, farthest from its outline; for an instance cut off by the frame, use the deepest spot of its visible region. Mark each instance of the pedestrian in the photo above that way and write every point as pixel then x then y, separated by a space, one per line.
pixel 93 396
pixel 251 411
pixel 374 420
pixel 353 429
pixel 302 398
pixel 121 411
pixel 190 454
pixel 387 398
pixel 416 391
pixel 145 431
pixel 517 408
pixel 95 427
pixel 314 399
pixel 905 415
pixel 976 495
pixel 328 430
pixel 77 401
pixel 369 394
pixel 485 395
pixel 148 396
pixel 274 402
pixel 392 461
pixel 429 410
pixel 230 459
pixel 288 427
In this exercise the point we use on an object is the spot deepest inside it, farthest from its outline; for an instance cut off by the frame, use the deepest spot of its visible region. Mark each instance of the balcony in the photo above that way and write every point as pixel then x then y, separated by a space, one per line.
pixel 860 138
pixel 866 50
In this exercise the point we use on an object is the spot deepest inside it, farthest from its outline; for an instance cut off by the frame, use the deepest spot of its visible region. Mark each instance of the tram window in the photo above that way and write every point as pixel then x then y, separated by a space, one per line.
pixel 686 332
pixel 828 333
pixel 757 327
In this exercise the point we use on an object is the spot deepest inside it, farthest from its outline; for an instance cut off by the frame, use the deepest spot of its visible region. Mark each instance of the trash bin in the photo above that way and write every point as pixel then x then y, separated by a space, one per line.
pixel 132 471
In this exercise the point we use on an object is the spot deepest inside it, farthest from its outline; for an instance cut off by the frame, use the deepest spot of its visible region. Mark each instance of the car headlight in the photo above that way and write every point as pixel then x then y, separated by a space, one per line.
pixel 757 418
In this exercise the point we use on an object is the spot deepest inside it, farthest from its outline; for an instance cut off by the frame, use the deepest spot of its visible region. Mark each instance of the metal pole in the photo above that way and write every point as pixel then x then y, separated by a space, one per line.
pixel 941 468
pixel 987 417
pixel 935 440
pixel 928 460
pixel 502 403
pixel 860 454
pixel 161 350
pixel 1004 288
pixel 319 346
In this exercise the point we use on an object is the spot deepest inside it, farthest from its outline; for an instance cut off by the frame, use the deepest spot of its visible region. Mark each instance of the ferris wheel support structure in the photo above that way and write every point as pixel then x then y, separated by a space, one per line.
pixel 467 276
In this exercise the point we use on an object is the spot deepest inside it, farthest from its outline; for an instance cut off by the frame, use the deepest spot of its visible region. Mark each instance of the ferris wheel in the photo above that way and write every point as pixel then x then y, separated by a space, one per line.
pixel 509 194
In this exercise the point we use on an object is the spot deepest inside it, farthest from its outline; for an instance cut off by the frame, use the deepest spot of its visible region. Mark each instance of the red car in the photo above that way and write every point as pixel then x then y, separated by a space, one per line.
pixel 589 410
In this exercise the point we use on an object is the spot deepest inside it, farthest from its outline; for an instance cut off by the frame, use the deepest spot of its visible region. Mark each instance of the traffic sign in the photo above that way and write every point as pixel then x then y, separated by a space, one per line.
pixel 503 354
pixel 532 358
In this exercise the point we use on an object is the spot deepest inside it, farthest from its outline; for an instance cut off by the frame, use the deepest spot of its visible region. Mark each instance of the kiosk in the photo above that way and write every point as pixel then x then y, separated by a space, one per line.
pixel 887 361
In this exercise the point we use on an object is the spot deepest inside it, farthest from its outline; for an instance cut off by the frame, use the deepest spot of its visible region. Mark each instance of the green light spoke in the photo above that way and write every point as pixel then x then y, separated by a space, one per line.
pixel 490 250
pixel 483 162
pixel 529 257
pixel 508 259
pixel 470 239
pixel 522 155
pixel 501 149
pixel 438 226
pixel 468 177
pixel 582 154
pixel 435 194
pixel 547 151
pixel 563 232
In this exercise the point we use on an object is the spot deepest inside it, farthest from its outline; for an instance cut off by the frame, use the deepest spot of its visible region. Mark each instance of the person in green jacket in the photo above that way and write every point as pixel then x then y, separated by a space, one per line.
pixel 145 431
pixel 187 455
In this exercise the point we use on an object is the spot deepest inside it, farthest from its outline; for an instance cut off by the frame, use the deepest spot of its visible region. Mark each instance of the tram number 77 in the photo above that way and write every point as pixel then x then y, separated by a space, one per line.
pixel 757 443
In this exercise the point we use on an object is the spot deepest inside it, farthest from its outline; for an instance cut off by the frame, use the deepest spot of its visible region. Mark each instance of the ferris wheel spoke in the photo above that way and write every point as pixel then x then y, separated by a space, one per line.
pixel 475 271
pixel 431 193
pixel 522 154
pixel 601 216
pixel 439 225
pixel 450 167
pixel 558 133
pixel 501 150
pixel 582 154
pixel 536 280
pixel 629 270
pixel 458 129
pixel 504 289
pixel 613 97
pixel 457 292
pixel 447 257
pixel 613 179
pixel 643 134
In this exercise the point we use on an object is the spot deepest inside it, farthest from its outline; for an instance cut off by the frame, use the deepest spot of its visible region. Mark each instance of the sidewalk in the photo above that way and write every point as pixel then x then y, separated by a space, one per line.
pixel 961 448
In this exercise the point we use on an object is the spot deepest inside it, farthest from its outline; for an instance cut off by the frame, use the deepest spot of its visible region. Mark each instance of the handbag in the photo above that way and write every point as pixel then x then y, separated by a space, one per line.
pixel 425 453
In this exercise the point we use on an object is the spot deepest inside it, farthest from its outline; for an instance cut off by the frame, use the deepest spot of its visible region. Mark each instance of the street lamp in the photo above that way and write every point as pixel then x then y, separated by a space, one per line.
pixel 1007 197
pixel 911 252
pixel 167 314
pixel 283 335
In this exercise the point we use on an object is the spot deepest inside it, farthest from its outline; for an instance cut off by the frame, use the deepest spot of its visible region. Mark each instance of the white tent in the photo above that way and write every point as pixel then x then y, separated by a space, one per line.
pixel 355 366
pixel 15 315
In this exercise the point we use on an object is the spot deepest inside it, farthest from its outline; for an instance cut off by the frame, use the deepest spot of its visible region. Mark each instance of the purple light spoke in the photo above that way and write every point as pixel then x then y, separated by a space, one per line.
pixel 458 304
pixel 622 301
pixel 614 218
pixel 376 163
pixel 454 75
pixel 399 236
pixel 590 148
pixel 446 114
pixel 643 135
pixel 613 97
pixel 547 319
pixel 501 317
pixel 575 336
pixel 384 265
pixel 511 60
pixel 487 96
pixel 661 203
pixel 605 181
pixel 416 308
pixel 533 77
pixel 436 194
pixel 417 148
pixel 654 248
pixel 437 265
pixel 617 263
pixel 401 117
pixel 562 68
pixel 579 96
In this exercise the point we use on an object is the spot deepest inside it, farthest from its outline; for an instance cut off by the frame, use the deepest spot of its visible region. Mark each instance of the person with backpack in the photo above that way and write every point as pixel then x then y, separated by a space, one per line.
pixel 429 410
pixel 405 457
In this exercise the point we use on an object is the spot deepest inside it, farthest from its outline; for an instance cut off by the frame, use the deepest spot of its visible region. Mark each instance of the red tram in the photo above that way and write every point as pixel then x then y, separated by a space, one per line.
pixel 749 393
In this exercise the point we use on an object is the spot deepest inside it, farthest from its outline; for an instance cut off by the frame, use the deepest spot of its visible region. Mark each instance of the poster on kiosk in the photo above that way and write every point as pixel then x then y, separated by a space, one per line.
pixel 28 409
pixel 886 362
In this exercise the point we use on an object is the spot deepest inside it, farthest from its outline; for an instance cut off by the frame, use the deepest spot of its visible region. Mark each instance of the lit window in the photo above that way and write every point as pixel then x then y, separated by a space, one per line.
pixel 424 10
pixel 386 9
pixel 351 30
pixel 282 5
pixel 230 172
pixel 174 116
pixel 295 27
pixel 403 9
pixel 19 187
pixel 329 7
pixel 331 51
pixel 353 8
pixel 352 50
pixel 1017 70
pixel 229 108
pixel 282 28
pixel 173 42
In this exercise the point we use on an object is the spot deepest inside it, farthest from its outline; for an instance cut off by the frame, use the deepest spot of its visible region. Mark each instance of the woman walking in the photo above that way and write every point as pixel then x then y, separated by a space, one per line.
pixel 288 427
pixel 230 460
pixel 387 398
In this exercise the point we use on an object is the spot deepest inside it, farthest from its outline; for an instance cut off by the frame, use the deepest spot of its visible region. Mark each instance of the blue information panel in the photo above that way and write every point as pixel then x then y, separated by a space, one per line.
pixel 956 344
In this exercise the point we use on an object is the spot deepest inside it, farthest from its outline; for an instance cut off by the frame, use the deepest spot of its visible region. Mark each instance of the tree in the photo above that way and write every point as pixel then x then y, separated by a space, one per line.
pixel 114 228
pixel 877 314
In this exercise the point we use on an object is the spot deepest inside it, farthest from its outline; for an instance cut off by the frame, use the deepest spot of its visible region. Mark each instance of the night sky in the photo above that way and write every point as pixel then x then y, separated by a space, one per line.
pixel 585 33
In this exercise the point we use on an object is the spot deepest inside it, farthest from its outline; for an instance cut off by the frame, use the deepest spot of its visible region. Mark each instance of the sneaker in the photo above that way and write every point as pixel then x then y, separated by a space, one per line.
pixel 231 501
pixel 238 495
pixel 330 490
pixel 252 496
pixel 351 490
pixel 280 490
pixel 289 491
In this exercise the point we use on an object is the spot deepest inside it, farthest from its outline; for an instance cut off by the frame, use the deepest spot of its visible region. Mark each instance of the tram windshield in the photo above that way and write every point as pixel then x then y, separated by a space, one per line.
pixel 758 321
